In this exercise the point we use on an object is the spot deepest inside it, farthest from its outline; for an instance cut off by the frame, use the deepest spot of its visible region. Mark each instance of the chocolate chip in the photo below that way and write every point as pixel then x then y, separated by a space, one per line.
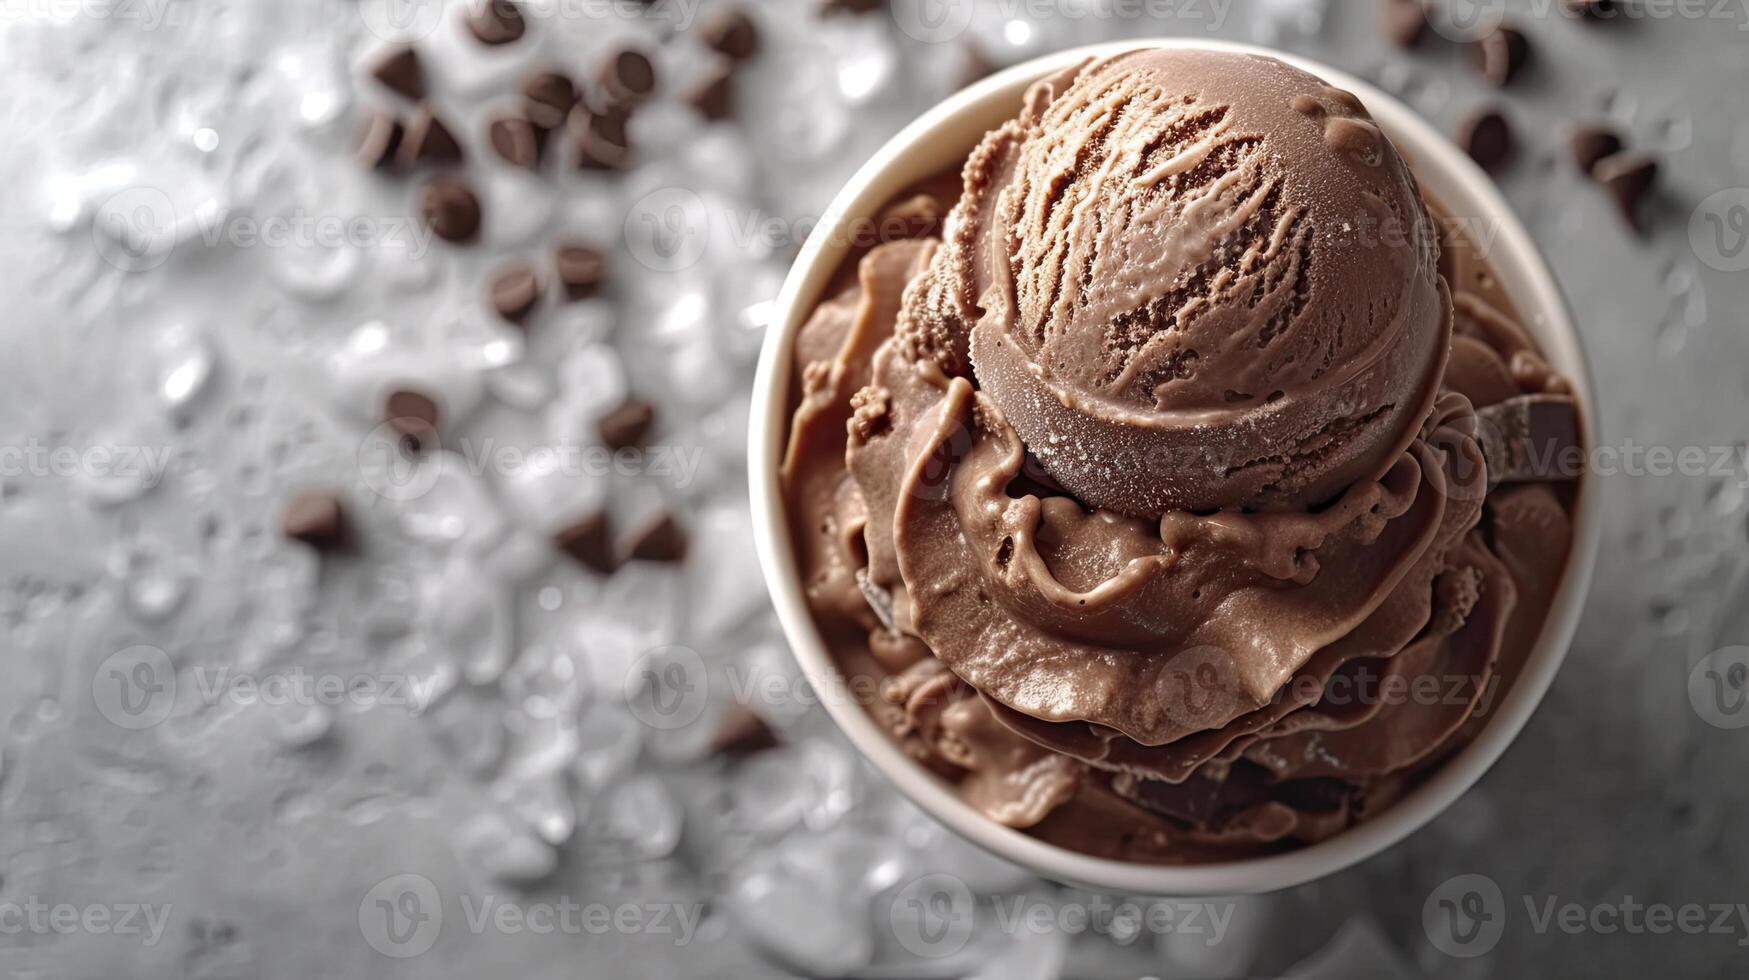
pixel 1500 54
pixel 740 732
pixel 1590 144
pixel 399 71
pixel 548 98
pixel 714 95
pixel 1403 22
pixel 496 22
pixel 428 140
pixel 414 416
pixel 1531 437
pixel 627 76
pixel 317 518
pixel 515 292
pixel 627 425
pixel 598 139
pixel 515 140
pixel 732 33
pixel 832 8
pixel 581 270
pixel 379 136
pixel 451 210
pixel 1487 137
pixel 658 539
pixel 1628 177
pixel 588 542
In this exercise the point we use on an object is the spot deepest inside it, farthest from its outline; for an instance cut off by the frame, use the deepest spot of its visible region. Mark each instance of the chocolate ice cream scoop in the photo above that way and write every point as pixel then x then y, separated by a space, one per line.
pixel 1201 280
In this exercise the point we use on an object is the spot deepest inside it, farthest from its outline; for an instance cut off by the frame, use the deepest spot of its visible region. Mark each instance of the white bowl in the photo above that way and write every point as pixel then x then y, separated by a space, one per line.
pixel 941 139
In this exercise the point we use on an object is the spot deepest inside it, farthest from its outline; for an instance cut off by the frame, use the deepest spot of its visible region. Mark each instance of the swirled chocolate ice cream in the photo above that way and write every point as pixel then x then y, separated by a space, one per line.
pixel 1189 498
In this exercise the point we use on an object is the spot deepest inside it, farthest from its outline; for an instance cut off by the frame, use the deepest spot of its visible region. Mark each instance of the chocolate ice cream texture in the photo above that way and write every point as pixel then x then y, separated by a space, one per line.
pixel 1167 448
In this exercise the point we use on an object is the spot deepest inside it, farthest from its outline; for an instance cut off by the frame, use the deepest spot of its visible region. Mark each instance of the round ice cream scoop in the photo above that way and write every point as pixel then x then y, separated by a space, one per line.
pixel 1207 280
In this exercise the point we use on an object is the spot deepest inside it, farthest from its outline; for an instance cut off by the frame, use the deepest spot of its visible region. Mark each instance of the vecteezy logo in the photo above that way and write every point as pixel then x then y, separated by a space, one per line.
pixel 1466 20
pixel 402 20
pixel 1465 917
pixel 932 916
pixel 391 471
pixel 666 229
pixel 401 916
pixel 1718 688
pixel 933 21
pixel 1718 230
pixel 667 687
pixel 135 688
pixel 135 229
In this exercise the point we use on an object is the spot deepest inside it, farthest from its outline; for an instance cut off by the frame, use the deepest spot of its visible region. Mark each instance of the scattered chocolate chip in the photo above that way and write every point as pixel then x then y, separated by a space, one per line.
pixel 627 425
pixel 428 140
pixel 515 140
pixel 588 541
pixel 740 732
pixel 1500 54
pixel 1487 137
pixel 496 22
pixel 599 139
pixel 658 539
pixel 714 95
pixel 1592 143
pixel 451 210
pixel 414 416
pixel 1403 22
pixel 1531 437
pixel 399 71
pixel 1628 177
pixel 515 292
pixel 317 518
pixel 548 98
pixel 832 8
pixel 581 270
pixel 732 33
pixel 378 138
pixel 973 65
pixel 627 76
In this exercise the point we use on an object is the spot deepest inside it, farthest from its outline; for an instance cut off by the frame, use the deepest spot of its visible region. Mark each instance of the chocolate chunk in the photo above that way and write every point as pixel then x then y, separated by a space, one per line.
pixel 515 140
pixel 317 518
pixel 627 425
pixel 1500 54
pixel 1591 143
pixel 1487 137
pixel 548 98
pixel 658 539
pixel 741 733
pixel 598 139
pixel 399 71
pixel 627 76
pixel 450 208
pixel 581 270
pixel 428 140
pixel 1532 437
pixel 589 542
pixel 1403 22
pixel 1628 177
pixel 496 22
pixel 918 216
pixel 414 416
pixel 713 95
pixel 516 292
pixel 1199 799
pixel 379 136
pixel 732 33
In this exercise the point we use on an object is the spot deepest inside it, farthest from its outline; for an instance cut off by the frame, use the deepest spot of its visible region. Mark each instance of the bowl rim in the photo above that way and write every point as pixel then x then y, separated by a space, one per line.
pixel 949 130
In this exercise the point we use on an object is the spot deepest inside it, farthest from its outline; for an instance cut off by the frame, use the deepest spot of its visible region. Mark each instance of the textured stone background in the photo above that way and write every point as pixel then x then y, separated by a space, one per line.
pixel 172 744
